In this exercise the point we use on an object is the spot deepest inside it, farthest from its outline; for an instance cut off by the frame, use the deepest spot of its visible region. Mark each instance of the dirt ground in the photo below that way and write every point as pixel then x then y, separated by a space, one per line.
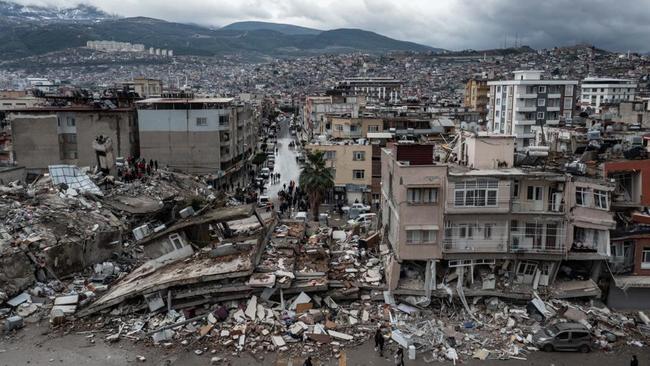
pixel 37 345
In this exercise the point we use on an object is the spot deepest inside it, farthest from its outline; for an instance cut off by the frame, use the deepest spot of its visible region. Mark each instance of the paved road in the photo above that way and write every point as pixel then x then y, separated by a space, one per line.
pixel 285 162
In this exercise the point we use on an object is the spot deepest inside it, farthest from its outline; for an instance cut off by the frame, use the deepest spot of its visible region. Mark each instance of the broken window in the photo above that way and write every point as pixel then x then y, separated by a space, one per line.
pixel 176 241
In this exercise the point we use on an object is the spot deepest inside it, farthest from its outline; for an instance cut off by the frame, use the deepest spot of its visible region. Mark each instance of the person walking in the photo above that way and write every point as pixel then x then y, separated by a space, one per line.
pixel 379 342
pixel 634 361
pixel 307 362
pixel 399 357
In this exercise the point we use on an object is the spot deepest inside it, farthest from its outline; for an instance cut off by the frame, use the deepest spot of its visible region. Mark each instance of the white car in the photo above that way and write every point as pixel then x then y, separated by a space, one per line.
pixel 265 173
pixel 263 201
pixel 358 206
pixel 364 219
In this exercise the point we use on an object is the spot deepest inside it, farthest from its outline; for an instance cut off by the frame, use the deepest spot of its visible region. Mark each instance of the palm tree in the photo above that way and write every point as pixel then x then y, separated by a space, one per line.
pixel 316 179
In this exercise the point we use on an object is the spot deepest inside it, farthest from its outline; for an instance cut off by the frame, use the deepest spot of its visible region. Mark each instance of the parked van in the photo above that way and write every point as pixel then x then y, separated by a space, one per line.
pixel 564 337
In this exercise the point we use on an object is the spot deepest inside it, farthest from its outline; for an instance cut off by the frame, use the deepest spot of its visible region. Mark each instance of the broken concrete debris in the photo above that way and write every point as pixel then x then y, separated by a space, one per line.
pixel 166 262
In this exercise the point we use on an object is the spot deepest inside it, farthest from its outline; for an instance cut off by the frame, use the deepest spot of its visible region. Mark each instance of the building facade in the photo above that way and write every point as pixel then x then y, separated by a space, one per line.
pixel 44 136
pixel 520 106
pixel 197 135
pixel 597 91
pixel 375 89
pixel 476 96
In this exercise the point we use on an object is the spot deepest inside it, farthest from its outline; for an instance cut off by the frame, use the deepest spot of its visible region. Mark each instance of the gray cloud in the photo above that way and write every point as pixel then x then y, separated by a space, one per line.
pixel 452 24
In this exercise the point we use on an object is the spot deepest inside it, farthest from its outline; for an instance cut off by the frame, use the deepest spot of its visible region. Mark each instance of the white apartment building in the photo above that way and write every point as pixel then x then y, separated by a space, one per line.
pixel 597 91
pixel 520 106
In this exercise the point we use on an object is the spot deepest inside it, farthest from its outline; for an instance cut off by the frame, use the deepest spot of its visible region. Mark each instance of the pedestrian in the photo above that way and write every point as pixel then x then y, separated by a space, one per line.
pixel 155 164
pixel 634 361
pixel 307 362
pixel 379 342
pixel 399 357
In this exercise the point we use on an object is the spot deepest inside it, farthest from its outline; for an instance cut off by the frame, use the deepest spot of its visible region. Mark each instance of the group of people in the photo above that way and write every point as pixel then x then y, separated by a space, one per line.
pixel 292 198
pixel 136 169
pixel 275 178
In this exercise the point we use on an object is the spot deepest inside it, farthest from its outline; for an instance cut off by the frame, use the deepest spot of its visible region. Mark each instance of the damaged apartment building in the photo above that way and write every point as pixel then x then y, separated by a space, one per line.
pixel 197 135
pixel 466 220
pixel 63 133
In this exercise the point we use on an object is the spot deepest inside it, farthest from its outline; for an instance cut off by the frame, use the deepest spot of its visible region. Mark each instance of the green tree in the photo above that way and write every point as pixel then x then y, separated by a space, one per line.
pixel 316 179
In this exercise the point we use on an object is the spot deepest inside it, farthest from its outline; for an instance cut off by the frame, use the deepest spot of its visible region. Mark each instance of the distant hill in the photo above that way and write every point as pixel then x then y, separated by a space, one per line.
pixel 289 29
pixel 80 13
pixel 23 37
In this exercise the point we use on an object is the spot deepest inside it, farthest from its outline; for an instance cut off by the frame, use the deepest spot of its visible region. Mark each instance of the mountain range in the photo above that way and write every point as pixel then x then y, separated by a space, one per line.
pixel 33 30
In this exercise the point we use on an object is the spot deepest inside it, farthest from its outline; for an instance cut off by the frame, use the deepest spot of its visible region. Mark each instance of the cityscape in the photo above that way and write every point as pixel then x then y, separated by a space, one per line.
pixel 273 186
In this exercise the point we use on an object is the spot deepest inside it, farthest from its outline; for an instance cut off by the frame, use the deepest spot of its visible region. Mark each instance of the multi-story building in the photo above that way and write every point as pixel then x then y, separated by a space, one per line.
pixel 197 135
pixel 317 109
pixel 520 106
pixel 352 163
pixel 375 89
pixel 635 112
pixel 145 87
pixel 354 128
pixel 476 95
pixel 630 241
pixel 597 91
pixel 494 228
pixel 48 135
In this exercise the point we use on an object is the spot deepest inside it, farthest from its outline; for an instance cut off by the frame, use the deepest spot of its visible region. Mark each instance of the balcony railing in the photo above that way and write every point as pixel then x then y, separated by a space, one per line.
pixel 523 206
pixel 527 108
pixel 464 245
pixel 521 242
pixel 526 95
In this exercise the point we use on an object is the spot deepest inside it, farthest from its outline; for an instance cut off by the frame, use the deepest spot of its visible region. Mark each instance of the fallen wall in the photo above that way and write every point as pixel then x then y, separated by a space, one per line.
pixel 17 273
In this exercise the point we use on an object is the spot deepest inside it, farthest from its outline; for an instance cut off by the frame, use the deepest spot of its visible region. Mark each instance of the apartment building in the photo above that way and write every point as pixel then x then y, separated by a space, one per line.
pixel 413 187
pixel 145 87
pixel 635 112
pixel 317 109
pixel 197 135
pixel 375 89
pixel 522 105
pixel 499 229
pixel 48 135
pixel 597 91
pixel 630 240
pixel 354 128
pixel 352 164
pixel 476 95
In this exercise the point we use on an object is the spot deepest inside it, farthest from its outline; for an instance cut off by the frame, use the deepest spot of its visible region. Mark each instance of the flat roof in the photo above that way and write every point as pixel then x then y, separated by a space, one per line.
pixel 379 135
pixel 185 100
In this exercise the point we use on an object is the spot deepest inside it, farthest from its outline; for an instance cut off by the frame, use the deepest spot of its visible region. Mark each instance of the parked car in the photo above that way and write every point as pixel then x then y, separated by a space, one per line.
pixel 358 206
pixel 300 216
pixel 365 219
pixel 564 337
pixel 263 201
pixel 265 173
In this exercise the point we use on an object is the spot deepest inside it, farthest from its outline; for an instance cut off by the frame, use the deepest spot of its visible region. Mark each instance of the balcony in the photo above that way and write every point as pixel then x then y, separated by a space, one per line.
pixel 475 238
pixel 454 245
pixel 538 207
pixel 526 122
pixel 526 95
pixel 526 108
pixel 538 243
pixel 554 96
pixel 552 121
pixel 553 108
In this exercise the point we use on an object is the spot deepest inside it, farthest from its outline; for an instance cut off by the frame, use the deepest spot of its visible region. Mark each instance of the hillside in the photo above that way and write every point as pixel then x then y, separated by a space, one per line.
pixel 27 38
pixel 289 29
pixel 79 13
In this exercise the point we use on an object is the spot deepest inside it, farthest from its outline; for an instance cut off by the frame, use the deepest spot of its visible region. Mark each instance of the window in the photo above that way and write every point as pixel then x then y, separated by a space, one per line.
pixel 420 236
pixel 359 155
pixel 568 90
pixel 422 195
pixel 540 115
pixel 354 128
pixel 224 120
pixel 358 174
pixel 541 102
pixel 601 199
pixel 534 193
pixel 579 335
pixel 71 122
pixel 582 196
pixel 541 89
pixel 330 155
pixel 645 263
pixel 487 232
pixel 476 193
pixel 373 128
pixel 498 101
pixel 515 189
pixel 563 336
pixel 338 127
pixel 176 241
pixel 201 121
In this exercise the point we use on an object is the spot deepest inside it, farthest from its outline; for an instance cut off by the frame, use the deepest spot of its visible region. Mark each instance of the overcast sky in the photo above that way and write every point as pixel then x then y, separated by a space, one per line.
pixel 451 24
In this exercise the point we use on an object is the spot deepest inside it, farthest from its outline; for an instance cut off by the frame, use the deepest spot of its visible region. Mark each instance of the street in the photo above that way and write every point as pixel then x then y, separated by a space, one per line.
pixel 285 162
pixel 37 345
